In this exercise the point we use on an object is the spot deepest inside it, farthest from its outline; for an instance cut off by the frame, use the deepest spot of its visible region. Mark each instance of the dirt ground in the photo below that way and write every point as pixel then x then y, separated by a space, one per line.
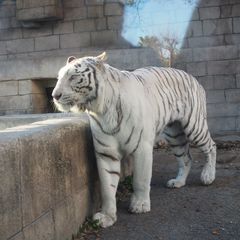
pixel 192 212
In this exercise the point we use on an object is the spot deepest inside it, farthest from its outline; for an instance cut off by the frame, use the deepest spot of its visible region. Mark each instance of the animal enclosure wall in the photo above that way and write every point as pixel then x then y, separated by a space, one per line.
pixel 34 46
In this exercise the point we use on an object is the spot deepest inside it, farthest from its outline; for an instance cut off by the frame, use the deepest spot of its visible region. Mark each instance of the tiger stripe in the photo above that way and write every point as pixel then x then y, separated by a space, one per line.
pixel 130 136
pixel 103 154
pixel 113 172
pixel 99 142
pixel 138 142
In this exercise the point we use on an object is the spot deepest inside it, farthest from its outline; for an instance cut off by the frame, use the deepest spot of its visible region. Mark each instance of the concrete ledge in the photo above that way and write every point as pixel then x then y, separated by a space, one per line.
pixel 48 179
pixel 48 67
pixel 9 121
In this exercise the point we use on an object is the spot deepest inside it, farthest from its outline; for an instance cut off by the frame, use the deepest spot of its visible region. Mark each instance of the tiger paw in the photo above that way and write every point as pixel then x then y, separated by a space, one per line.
pixel 104 220
pixel 139 205
pixel 208 175
pixel 174 183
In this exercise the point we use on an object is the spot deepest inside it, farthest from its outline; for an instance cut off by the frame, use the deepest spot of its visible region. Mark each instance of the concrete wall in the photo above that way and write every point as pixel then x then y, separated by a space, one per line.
pixel 49 181
pixel 48 174
pixel 211 53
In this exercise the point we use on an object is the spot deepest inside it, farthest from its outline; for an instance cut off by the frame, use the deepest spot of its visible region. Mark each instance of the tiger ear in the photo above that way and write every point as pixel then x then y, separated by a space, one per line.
pixel 102 57
pixel 70 59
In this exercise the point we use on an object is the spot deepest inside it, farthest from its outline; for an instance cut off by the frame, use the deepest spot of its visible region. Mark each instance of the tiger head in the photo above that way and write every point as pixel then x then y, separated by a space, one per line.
pixel 79 84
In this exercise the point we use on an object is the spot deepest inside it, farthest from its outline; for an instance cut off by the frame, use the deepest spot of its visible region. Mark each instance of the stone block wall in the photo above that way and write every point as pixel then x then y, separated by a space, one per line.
pixel 24 96
pixel 83 24
pixel 30 10
pixel 211 53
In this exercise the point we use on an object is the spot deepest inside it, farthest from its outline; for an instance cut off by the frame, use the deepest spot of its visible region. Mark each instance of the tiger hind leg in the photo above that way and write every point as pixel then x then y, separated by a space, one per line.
pixel 177 140
pixel 202 139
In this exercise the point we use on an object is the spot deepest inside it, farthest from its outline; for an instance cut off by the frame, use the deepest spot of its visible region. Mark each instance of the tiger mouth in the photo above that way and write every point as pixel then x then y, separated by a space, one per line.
pixel 62 107
pixel 75 107
pixel 78 107
pixel 70 106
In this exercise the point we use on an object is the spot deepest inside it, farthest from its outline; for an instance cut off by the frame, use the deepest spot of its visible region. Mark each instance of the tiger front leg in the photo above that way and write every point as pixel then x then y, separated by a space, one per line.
pixel 142 173
pixel 109 174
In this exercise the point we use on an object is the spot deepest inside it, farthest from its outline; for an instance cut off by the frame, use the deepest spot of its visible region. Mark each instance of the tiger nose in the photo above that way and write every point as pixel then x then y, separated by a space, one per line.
pixel 56 95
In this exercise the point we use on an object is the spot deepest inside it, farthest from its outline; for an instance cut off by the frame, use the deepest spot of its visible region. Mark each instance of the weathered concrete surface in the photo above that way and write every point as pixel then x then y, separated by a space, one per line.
pixel 48 179
pixel 9 121
pixel 192 212
pixel 48 175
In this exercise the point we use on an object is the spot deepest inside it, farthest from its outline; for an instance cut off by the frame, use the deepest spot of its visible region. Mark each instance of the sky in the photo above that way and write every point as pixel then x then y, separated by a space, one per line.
pixel 157 18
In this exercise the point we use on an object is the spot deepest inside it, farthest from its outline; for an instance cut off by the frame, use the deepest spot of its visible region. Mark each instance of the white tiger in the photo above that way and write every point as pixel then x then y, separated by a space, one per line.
pixel 128 111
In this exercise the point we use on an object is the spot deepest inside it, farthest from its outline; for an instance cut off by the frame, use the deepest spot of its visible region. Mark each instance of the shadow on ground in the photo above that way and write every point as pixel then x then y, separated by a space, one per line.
pixel 192 212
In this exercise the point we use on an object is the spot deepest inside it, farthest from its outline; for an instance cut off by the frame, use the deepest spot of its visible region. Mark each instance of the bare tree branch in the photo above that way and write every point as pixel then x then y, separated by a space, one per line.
pixel 166 47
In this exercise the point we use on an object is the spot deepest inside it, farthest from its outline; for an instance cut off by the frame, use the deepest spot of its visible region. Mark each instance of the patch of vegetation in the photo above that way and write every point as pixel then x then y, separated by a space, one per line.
pixel 125 188
pixel 88 230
